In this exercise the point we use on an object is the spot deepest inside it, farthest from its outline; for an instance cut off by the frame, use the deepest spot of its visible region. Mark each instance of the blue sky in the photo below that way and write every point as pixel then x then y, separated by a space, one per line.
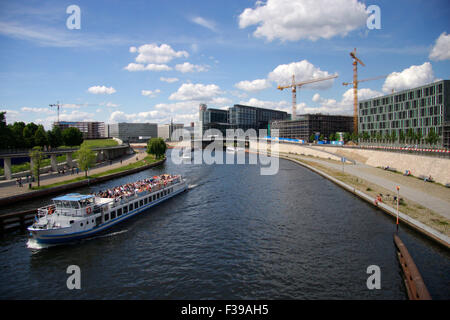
pixel 150 61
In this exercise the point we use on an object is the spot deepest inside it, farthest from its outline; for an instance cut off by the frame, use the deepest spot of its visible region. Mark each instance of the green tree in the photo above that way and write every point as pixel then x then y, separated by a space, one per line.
pixel 394 136
pixel 72 136
pixel 432 137
pixel 347 137
pixel 321 137
pixel 312 137
pixel 16 130
pixel 157 147
pixel 86 158
pixel 419 136
pixel 36 158
pixel 5 132
pixel 333 137
pixel 401 136
pixel 354 137
pixel 40 137
pixel 28 134
pixel 55 138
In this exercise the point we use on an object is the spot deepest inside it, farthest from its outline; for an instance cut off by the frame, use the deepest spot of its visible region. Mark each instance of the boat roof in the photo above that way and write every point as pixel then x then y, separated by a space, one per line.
pixel 73 197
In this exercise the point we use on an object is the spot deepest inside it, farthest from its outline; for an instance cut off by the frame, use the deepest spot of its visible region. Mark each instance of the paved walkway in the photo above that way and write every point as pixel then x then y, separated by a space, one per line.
pixel 429 195
pixel 8 189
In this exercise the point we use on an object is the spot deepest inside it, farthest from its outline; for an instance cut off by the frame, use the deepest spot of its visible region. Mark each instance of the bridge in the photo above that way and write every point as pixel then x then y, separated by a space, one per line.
pixel 103 153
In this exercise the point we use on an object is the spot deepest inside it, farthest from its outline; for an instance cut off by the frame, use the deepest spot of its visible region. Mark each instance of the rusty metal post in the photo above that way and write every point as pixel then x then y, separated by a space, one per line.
pixel 415 286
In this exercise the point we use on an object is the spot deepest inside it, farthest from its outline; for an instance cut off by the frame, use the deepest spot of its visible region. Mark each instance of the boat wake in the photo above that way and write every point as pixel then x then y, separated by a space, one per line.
pixel 34 245
pixel 112 234
pixel 192 186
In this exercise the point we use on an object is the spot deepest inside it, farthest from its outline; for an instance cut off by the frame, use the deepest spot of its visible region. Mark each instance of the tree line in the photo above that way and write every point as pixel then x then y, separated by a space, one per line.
pixel 407 136
pixel 20 135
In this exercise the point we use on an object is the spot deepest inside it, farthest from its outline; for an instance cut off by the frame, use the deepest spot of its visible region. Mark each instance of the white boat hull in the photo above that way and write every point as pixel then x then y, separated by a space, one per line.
pixel 68 234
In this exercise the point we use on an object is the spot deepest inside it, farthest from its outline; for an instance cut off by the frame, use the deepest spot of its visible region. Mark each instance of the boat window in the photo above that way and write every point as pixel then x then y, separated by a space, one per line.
pixel 81 224
pixel 131 207
pixel 154 197
pixel 113 214
pixel 125 209
pixel 119 212
pixel 107 217
pixel 145 200
pixel 136 205
pixel 157 196
pixel 87 222
pixel 74 204
pixel 71 221
pixel 141 203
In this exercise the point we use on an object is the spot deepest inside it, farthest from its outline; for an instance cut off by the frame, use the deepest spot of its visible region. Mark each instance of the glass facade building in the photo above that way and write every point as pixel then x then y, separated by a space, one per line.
pixel 420 109
pixel 238 117
pixel 312 124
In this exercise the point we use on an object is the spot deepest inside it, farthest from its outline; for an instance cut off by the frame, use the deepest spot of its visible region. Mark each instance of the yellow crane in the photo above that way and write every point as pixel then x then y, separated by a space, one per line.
pixel 355 89
pixel 300 84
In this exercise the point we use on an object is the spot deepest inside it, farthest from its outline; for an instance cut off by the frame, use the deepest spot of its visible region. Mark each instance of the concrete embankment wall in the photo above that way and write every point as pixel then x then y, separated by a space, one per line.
pixel 74 185
pixel 438 168
pixel 293 148
pixel 404 218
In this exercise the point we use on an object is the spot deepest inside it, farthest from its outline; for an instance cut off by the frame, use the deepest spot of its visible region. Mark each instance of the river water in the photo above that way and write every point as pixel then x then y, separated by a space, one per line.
pixel 236 234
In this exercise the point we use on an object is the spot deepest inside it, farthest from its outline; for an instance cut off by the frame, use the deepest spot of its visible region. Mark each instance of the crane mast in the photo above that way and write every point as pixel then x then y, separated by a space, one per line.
pixel 300 84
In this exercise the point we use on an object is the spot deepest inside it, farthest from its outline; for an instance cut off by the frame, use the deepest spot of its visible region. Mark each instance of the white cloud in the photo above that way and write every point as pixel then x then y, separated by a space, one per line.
pixel 277 105
pixel 253 86
pixel 101 90
pixel 38 110
pixel 189 67
pixel 332 106
pixel 150 93
pixel 290 20
pixel 168 80
pixel 441 49
pixel 149 67
pixel 152 53
pixel 411 77
pixel 198 92
pixel 303 70
pixel 204 23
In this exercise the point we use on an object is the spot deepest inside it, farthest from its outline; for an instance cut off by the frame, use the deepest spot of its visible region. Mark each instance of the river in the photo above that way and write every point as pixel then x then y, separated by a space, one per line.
pixel 236 234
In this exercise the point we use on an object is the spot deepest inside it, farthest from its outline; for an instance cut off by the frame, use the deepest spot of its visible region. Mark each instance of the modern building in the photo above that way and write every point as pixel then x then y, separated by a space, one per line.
pixel 248 117
pixel 132 132
pixel 238 117
pixel 420 109
pixel 165 130
pixel 90 130
pixel 312 124
pixel 210 118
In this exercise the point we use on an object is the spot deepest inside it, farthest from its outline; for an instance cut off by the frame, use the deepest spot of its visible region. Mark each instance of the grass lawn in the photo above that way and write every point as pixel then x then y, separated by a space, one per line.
pixel 100 143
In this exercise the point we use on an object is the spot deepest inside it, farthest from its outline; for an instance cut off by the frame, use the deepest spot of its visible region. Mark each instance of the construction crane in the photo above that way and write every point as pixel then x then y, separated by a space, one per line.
pixel 57 105
pixel 355 89
pixel 364 80
pixel 299 85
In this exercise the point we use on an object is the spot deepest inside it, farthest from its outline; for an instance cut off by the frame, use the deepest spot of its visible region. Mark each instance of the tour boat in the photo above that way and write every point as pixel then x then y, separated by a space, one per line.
pixel 75 216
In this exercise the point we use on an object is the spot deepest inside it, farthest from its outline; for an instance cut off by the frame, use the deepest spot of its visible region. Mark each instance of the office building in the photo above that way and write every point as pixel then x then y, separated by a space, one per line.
pixel 90 130
pixel 165 130
pixel 133 132
pixel 420 109
pixel 312 124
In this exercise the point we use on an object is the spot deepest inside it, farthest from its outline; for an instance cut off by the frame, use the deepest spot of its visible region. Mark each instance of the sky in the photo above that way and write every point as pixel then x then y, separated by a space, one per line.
pixel 153 61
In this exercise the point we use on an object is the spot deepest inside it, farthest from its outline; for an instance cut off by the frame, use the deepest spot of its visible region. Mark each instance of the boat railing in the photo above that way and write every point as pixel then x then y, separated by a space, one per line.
pixel 162 184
